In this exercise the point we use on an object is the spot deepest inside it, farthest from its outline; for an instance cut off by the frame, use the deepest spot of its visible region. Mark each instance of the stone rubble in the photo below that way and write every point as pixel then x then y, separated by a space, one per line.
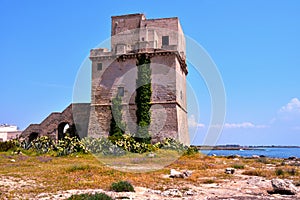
pixel 180 174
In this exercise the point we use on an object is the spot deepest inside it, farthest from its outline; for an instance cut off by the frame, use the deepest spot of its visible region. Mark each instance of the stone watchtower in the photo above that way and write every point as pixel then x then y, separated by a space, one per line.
pixel 115 72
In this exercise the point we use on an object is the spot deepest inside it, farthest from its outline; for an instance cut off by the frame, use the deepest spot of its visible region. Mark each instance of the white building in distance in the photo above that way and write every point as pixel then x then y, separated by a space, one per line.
pixel 8 132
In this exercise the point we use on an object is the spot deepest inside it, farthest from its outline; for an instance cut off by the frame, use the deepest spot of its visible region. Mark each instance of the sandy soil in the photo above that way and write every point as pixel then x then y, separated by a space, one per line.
pixel 242 187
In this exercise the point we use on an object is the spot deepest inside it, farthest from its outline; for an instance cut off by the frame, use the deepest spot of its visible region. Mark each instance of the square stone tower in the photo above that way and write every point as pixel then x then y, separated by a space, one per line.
pixel 114 72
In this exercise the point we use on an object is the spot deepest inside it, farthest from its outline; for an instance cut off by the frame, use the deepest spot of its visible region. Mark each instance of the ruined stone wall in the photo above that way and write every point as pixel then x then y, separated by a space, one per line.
pixel 125 22
pixel 49 126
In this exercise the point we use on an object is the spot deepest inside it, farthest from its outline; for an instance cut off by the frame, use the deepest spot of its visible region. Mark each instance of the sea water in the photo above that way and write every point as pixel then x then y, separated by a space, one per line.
pixel 268 152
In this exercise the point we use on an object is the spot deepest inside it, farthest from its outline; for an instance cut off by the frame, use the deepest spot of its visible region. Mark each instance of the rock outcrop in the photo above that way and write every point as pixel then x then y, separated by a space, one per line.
pixel 229 170
pixel 180 174
pixel 284 187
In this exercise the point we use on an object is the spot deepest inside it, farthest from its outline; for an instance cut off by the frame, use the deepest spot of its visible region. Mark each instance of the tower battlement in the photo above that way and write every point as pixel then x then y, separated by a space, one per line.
pixel 134 33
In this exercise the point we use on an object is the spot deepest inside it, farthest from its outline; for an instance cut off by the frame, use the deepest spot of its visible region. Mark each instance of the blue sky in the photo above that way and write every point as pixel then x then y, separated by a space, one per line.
pixel 254 44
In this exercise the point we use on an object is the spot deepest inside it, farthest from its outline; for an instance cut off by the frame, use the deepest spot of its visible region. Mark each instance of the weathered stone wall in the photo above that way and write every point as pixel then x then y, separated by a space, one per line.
pixel 135 32
pixel 168 96
pixel 125 22
pixel 99 122
pixel 81 115
pixel 49 126
pixel 163 27
pixel 182 121
pixel 164 122
pixel 112 70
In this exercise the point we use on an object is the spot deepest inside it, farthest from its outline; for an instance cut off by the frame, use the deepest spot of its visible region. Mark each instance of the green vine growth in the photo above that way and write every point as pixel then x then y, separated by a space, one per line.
pixel 117 127
pixel 143 98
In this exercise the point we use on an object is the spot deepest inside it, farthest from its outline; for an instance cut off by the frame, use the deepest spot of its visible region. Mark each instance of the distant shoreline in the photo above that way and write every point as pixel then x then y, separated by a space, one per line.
pixel 238 148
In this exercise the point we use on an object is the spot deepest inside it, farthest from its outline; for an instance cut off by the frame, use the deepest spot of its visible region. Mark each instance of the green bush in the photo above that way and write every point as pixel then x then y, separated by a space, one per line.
pixel 122 186
pixel 102 146
pixel 96 196
pixel 279 172
pixel 113 145
pixel 264 160
pixel 238 166
pixel 69 145
pixel 128 143
pixel 255 172
pixel 42 145
pixel 172 144
pixel 191 151
pixel 74 168
pixel 8 145
pixel 45 144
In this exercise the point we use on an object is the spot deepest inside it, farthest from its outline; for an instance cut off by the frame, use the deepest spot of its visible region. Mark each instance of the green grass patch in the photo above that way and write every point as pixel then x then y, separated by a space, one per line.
pixel 238 166
pixel 97 196
pixel 122 186
pixel 76 167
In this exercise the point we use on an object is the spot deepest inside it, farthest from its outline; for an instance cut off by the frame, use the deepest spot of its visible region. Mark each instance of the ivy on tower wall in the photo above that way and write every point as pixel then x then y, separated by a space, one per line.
pixel 143 98
pixel 117 127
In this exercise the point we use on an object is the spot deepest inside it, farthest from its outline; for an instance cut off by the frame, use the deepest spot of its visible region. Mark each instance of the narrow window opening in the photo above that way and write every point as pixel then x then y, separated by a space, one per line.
pixel 121 91
pixel 165 40
pixel 99 66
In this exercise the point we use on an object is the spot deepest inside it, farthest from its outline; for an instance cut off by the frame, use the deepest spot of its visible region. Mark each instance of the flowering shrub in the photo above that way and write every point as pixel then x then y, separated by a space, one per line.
pixel 45 144
pixel 69 145
pixel 42 144
pixel 103 146
pixel 128 143
pixel 172 144
pixel 115 146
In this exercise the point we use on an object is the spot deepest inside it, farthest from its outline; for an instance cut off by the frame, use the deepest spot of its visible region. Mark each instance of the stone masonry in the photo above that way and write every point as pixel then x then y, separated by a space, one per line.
pixel 53 125
pixel 115 72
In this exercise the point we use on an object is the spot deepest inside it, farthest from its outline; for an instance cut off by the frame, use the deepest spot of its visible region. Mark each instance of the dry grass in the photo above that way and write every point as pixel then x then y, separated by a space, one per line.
pixel 52 174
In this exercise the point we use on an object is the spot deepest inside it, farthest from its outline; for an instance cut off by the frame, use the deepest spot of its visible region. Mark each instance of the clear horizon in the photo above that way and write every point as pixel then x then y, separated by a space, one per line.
pixel 254 44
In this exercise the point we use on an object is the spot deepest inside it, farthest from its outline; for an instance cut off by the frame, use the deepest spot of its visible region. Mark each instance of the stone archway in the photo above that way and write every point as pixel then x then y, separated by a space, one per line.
pixel 33 136
pixel 62 129
pixel 54 126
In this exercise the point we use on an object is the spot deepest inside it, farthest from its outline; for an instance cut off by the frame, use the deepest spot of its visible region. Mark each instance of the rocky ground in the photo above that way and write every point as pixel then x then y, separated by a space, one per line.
pixel 193 177
pixel 241 187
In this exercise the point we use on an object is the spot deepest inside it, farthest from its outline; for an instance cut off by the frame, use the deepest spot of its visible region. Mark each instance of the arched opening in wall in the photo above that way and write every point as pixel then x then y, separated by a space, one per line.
pixel 65 129
pixel 62 129
pixel 33 136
